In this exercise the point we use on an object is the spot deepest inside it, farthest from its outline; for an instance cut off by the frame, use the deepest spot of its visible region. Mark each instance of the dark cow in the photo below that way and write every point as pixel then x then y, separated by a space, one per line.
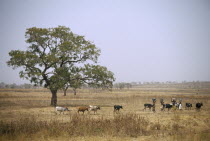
pixel 148 106
pixel 198 105
pixel 117 108
pixel 169 106
pixel 188 106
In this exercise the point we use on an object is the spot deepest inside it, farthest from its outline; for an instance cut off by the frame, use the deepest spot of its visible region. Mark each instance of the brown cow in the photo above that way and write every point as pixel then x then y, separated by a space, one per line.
pixel 82 109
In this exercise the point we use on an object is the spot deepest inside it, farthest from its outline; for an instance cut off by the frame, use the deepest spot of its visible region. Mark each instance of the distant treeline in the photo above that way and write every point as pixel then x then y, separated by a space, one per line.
pixel 125 85
pixel 16 86
pixel 168 84
pixel 28 86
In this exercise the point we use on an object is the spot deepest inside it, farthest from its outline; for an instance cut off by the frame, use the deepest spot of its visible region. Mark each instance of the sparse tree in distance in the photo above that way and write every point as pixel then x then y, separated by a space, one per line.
pixel 55 56
pixel 93 75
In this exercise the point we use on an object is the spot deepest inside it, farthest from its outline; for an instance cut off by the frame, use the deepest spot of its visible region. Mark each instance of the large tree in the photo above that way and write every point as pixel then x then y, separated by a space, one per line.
pixel 56 56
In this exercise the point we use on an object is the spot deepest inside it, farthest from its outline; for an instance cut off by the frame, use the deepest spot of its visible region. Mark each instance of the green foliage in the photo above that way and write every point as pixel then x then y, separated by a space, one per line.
pixel 98 76
pixel 57 57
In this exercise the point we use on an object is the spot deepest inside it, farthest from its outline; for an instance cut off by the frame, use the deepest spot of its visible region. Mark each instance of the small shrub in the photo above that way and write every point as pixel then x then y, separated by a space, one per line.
pixel 176 126
pixel 155 126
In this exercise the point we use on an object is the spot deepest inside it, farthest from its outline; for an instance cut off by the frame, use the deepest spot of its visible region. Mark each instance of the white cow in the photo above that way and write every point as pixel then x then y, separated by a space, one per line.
pixel 61 109
pixel 93 108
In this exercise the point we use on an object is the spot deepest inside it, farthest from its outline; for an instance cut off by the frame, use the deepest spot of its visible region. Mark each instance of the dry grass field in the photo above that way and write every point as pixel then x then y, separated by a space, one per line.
pixel 25 114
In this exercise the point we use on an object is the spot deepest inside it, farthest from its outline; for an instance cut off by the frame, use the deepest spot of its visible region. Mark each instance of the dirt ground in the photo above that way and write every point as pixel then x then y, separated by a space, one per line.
pixel 20 103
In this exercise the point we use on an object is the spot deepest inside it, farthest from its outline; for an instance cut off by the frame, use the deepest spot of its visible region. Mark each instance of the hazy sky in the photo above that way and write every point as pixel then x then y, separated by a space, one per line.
pixel 140 40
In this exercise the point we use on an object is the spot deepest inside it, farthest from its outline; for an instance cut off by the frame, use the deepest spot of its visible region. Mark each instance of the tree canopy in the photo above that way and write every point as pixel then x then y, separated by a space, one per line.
pixel 57 56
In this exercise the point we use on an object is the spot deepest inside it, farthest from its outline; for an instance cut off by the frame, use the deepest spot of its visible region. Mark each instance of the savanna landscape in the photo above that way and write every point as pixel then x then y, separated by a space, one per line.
pixel 123 70
pixel 25 114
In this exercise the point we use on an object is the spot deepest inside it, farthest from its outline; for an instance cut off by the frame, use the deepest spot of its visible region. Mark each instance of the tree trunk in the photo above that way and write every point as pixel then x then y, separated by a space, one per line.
pixel 75 91
pixel 54 98
pixel 64 91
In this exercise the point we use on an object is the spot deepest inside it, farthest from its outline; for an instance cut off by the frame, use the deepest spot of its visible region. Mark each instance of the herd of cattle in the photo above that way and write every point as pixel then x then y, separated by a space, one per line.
pixel 174 104
pixel 188 106
pixel 84 108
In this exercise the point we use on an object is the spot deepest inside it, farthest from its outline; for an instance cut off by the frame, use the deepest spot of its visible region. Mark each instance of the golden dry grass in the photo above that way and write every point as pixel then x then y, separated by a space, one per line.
pixel 17 105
